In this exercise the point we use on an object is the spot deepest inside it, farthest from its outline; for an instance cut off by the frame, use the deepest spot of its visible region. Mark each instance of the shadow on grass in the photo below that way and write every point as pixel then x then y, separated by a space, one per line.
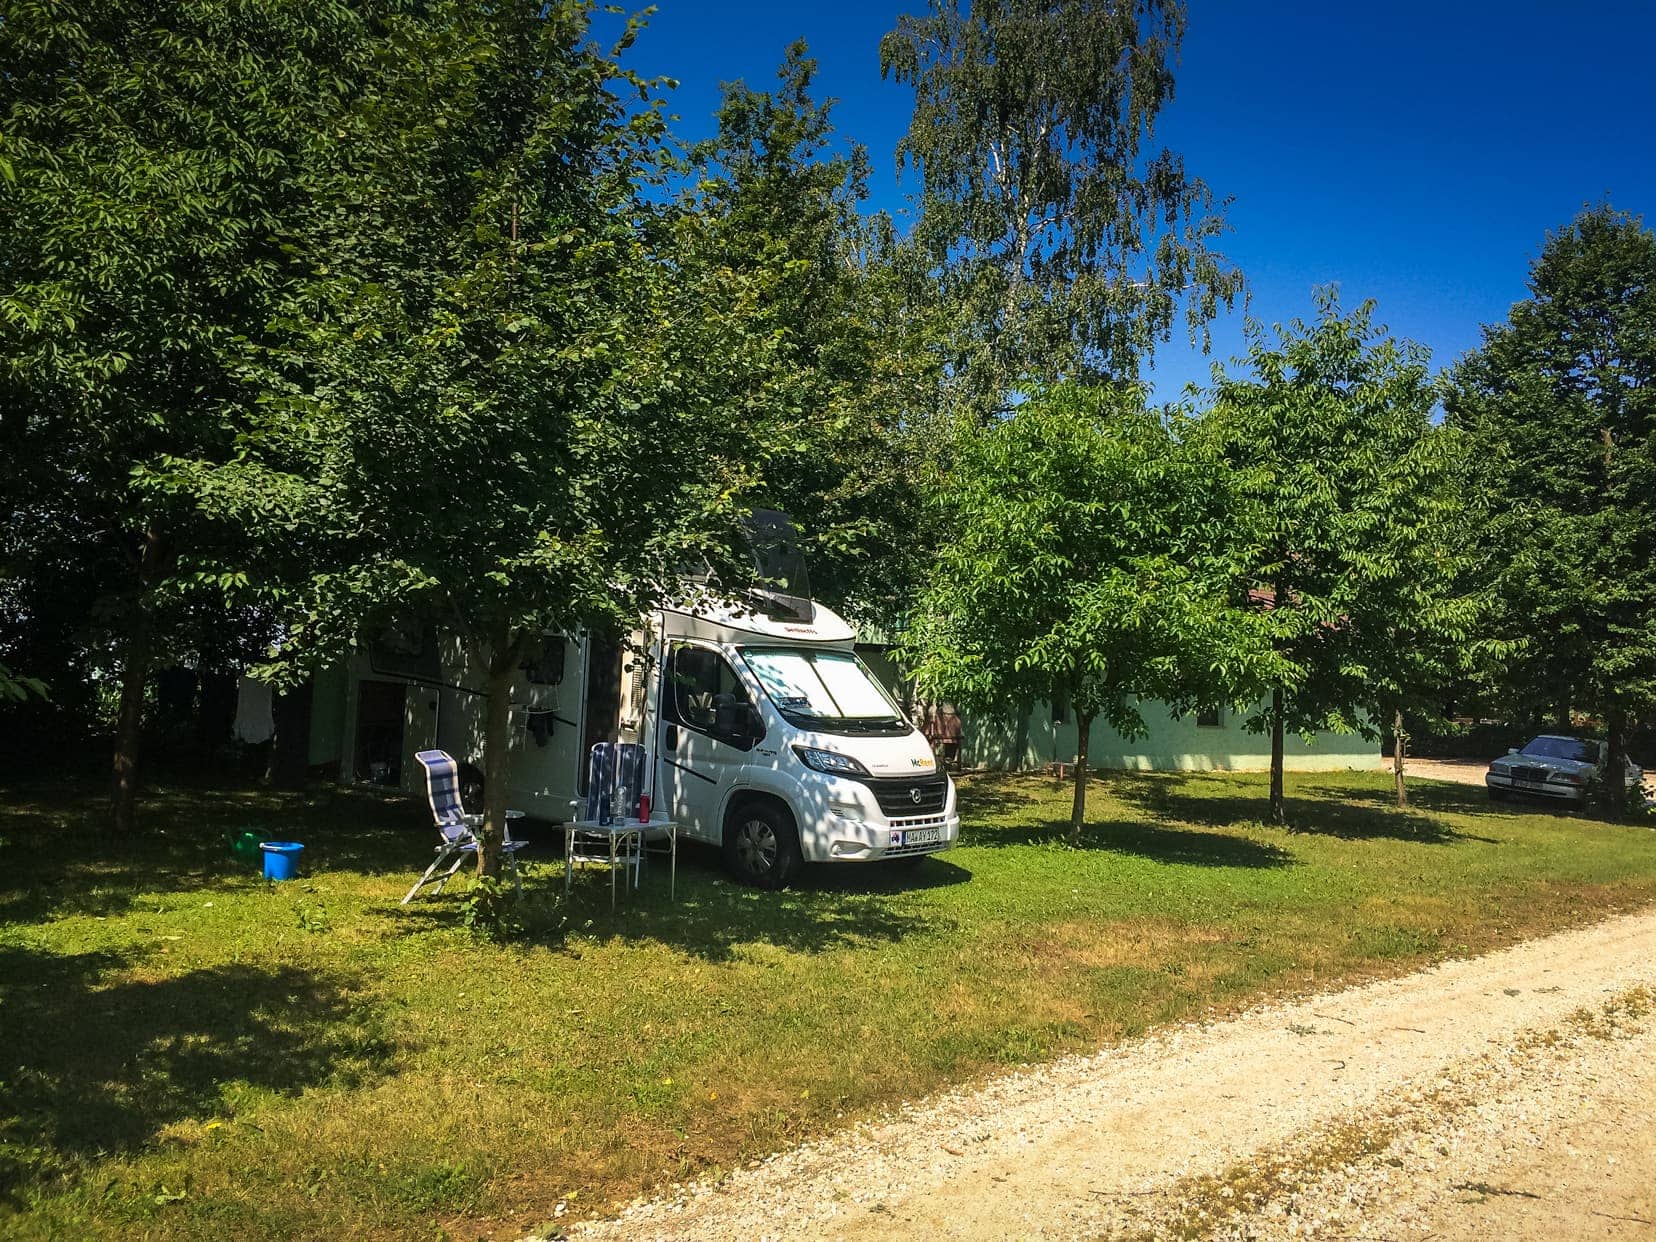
pixel 1185 846
pixel 998 795
pixel 828 907
pixel 1441 796
pixel 94 1065
pixel 1344 813
pixel 57 857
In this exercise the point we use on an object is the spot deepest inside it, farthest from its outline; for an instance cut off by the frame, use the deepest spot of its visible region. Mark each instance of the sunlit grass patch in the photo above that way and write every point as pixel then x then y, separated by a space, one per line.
pixel 191 1051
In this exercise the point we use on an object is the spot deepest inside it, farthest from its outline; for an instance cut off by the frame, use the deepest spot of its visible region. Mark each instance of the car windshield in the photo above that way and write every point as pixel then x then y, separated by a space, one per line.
pixel 828 690
pixel 1572 748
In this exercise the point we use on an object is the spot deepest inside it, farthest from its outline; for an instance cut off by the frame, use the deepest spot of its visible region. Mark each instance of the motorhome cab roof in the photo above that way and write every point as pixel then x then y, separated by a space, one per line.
pixel 724 621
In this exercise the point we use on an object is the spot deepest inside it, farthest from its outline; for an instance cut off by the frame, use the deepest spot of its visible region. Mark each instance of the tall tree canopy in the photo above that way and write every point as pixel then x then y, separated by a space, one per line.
pixel 150 163
pixel 1560 404
pixel 1088 561
pixel 509 396
pixel 1066 243
pixel 1348 521
pixel 777 197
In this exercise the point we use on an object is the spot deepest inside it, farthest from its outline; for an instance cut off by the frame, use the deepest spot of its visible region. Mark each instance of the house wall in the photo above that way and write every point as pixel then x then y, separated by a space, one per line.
pixel 1172 743
pixel 328 708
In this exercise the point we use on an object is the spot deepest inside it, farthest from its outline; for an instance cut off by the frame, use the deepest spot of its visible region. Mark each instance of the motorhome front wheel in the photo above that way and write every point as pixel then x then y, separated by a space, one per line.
pixel 761 847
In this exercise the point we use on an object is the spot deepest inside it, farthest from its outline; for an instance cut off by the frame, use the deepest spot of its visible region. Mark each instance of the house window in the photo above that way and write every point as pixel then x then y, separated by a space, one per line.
pixel 1210 717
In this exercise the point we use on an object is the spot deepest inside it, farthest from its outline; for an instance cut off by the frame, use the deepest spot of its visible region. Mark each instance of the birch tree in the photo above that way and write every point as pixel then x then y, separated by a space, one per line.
pixel 1066 243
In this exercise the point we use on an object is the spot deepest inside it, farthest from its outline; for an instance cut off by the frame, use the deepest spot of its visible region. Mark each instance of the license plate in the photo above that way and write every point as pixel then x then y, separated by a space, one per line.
pixel 1523 784
pixel 917 836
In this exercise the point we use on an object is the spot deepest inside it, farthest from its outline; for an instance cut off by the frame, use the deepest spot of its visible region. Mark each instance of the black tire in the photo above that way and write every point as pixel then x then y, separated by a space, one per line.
pixel 1497 795
pixel 761 846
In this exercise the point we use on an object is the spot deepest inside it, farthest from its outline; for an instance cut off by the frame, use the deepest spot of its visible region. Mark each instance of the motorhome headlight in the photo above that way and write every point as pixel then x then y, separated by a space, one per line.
pixel 830 761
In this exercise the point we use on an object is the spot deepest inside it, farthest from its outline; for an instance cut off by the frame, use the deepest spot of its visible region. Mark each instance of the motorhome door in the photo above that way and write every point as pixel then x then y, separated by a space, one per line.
pixel 706 737
pixel 601 704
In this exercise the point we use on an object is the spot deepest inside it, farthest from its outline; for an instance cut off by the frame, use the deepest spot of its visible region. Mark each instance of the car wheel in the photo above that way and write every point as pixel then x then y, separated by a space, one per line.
pixel 1497 795
pixel 761 846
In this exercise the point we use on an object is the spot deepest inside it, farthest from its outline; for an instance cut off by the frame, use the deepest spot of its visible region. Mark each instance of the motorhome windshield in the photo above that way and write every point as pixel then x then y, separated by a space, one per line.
pixel 827 690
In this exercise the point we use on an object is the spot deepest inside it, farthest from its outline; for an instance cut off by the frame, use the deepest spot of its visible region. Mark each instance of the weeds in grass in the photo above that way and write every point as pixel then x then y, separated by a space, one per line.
pixel 492 910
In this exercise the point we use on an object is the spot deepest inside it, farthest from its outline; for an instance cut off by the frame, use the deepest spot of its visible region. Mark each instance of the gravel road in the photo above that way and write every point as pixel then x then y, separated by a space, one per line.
pixel 1512 1095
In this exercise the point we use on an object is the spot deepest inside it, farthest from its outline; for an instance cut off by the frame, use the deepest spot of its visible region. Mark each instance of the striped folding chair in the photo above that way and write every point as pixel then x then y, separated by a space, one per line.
pixel 458 830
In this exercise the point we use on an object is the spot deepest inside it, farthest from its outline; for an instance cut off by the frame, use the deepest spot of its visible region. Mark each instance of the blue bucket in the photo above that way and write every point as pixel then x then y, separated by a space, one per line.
pixel 281 859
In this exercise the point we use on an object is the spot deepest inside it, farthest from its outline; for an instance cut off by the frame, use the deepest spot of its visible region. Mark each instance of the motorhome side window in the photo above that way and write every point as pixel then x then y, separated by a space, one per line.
pixel 703 684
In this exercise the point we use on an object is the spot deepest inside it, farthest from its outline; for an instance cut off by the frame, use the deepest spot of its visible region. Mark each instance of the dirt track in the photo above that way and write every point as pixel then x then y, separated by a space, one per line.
pixel 1508 1096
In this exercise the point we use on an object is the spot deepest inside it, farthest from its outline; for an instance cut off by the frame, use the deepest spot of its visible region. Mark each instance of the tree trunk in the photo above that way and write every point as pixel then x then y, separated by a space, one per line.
pixel 1400 744
pixel 1613 788
pixel 1078 809
pixel 136 656
pixel 129 728
pixel 504 653
pixel 290 748
pixel 1279 810
pixel 1020 737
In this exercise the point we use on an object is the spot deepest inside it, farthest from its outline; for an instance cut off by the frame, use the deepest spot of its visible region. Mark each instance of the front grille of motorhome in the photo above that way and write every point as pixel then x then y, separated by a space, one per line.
pixel 896 795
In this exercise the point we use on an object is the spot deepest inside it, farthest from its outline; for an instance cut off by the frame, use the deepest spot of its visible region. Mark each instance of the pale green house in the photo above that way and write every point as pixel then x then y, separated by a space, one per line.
pixel 1208 741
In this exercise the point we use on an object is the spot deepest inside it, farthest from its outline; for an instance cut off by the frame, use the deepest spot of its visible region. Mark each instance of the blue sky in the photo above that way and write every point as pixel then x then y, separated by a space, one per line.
pixel 1413 153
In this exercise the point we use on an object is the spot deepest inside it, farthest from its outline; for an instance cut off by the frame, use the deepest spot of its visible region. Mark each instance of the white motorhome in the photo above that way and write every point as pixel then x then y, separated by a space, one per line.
pixel 764 733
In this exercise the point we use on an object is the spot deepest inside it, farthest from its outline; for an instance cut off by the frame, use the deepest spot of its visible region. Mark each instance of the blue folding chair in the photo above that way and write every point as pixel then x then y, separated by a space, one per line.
pixel 457 829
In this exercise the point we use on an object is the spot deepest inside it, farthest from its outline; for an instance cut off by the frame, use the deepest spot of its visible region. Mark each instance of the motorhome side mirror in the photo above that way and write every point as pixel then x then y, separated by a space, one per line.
pixel 669 739
pixel 1512 750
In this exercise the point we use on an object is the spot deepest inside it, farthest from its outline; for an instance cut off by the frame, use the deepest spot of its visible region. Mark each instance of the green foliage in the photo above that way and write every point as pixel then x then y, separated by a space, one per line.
pixel 488 383
pixel 845 392
pixel 150 156
pixel 1064 243
pixel 1351 530
pixel 507 395
pixel 492 909
pixel 1087 562
pixel 1560 405
pixel 15 687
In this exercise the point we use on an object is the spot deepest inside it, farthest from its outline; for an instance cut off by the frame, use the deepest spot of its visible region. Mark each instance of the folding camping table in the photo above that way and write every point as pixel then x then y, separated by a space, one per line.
pixel 622 834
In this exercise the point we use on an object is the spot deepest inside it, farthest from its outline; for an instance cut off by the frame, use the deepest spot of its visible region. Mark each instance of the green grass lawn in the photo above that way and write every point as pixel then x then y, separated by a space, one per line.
pixel 185 1050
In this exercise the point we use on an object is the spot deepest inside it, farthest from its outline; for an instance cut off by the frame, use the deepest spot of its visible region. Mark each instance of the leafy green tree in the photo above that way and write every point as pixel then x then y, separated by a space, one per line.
pixel 847 397
pixel 149 157
pixel 1066 244
pixel 1348 511
pixel 511 399
pixel 17 686
pixel 1088 561
pixel 1560 406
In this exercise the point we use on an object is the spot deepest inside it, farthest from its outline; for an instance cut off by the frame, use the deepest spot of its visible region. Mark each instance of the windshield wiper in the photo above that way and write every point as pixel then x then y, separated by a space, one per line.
pixel 874 724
